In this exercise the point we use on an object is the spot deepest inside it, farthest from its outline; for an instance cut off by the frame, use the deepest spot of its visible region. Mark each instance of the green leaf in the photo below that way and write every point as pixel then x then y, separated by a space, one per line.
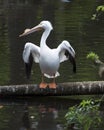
pixel 101 7
pixel 92 56
pixel 85 115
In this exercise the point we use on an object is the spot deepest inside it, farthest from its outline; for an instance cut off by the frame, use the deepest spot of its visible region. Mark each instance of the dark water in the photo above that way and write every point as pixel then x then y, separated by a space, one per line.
pixel 37 113
pixel 71 21
pixel 28 114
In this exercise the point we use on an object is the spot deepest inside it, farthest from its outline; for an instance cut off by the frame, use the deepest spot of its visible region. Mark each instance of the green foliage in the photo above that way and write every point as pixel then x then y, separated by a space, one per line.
pixel 100 8
pixel 99 13
pixel 92 56
pixel 93 17
pixel 83 116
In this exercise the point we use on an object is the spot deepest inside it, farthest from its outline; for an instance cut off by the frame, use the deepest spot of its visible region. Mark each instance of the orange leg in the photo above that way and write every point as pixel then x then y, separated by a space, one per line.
pixel 53 84
pixel 42 84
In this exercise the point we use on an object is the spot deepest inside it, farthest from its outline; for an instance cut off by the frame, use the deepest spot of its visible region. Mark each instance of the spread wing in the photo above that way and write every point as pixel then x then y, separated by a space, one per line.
pixel 67 52
pixel 31 53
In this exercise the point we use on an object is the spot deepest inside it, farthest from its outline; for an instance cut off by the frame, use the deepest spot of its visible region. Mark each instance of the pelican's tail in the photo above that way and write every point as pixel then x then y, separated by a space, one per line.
pixel 49 76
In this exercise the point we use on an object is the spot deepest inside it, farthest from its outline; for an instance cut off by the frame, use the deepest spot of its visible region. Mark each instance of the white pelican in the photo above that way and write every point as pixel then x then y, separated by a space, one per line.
pixel 48 59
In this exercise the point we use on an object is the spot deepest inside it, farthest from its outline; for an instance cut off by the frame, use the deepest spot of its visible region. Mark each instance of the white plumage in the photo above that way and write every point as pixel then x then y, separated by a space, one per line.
pixel 48 59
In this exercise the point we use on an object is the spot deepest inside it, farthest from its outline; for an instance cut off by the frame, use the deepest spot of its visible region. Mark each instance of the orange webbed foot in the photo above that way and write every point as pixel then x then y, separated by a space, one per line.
pixel 52 85
pixel 43 85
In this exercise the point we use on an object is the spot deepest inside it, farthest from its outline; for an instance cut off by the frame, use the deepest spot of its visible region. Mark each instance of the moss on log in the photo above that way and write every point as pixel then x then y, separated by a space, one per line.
pixel 63 89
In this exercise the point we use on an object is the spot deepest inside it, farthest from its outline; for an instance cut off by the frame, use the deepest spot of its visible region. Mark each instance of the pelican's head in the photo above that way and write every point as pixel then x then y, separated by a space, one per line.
pixel 46 25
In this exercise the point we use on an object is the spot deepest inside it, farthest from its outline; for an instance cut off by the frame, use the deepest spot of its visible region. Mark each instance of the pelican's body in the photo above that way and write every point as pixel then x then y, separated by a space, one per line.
pixel 49 62
pixel 48 59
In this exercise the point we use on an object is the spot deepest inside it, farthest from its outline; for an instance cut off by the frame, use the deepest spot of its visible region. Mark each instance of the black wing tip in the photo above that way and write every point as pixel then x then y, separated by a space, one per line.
pixel 74 69
pixel 72 60
pixel 28 66
pixel 28 70
pixel 74 65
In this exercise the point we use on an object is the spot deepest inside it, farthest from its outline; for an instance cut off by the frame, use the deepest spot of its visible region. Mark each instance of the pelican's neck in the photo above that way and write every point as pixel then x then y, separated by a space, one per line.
pixel 44 37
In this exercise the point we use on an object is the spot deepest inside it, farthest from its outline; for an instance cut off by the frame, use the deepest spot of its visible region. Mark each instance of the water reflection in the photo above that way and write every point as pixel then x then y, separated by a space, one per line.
pixel 25 119
pixel 65 0
pixel 44 121
pixel 33 115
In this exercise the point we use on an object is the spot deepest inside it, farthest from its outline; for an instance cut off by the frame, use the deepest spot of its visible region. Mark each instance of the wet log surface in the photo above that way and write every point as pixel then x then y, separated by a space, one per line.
pixel 63 89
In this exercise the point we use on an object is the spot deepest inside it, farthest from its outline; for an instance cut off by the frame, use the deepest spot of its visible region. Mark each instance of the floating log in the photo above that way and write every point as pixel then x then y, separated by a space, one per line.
pixel 63 89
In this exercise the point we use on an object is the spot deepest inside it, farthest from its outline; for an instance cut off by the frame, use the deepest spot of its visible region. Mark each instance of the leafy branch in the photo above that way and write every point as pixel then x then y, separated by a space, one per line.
pixel 83 116
pixel 95 58
pixel 99 14
pixel 92 56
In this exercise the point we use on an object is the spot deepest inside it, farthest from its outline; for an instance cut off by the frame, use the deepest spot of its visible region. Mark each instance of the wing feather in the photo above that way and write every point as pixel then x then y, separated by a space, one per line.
pixel 67 52
pixel 28 66
pixel 72 60
pixel 31 52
